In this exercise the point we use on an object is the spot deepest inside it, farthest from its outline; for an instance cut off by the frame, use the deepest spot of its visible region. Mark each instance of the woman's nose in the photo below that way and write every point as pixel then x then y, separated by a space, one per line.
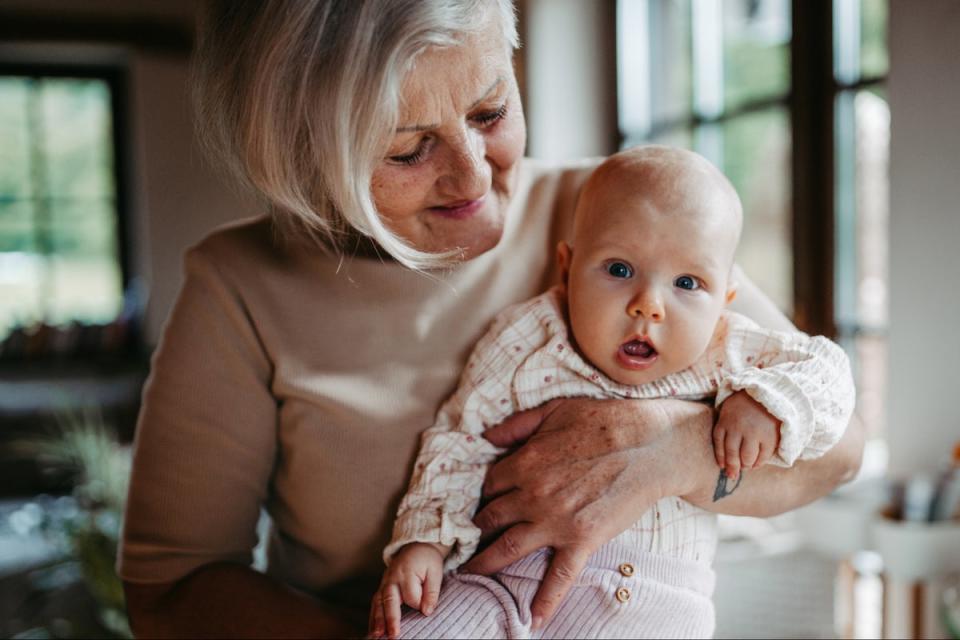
pixel 468 174
pixel 648 304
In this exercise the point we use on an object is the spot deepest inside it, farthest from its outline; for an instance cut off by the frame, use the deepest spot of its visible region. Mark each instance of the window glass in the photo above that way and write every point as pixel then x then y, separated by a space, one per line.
pixel 756 158
pixel 59 253
pixel 872 115
pixel 77 138
pixel 670 76
pixel 14 142
pixel 756 50
pixel 874 60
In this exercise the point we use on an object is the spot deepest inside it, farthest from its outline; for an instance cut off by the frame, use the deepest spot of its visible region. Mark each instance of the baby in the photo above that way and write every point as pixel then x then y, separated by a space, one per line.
pixel 641 315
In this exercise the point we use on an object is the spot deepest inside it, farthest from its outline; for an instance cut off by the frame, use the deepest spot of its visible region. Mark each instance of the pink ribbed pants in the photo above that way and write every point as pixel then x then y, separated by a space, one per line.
pixel 621 594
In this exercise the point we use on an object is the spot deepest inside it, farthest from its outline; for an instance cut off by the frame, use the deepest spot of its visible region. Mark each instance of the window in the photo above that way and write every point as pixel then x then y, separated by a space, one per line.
pixel 787 99
pixel 61 234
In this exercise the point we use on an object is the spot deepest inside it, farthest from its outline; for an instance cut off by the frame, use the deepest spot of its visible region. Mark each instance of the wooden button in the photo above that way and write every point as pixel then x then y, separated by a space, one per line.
pixel 626 569
pixel 623 594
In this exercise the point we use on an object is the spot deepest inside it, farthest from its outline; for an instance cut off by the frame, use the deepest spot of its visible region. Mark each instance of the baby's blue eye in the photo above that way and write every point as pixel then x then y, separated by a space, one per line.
pixel 686 282
pixel 619 270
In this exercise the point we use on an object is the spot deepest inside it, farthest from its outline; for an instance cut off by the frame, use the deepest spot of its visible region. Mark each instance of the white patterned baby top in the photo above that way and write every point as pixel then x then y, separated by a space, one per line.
pixel 526 359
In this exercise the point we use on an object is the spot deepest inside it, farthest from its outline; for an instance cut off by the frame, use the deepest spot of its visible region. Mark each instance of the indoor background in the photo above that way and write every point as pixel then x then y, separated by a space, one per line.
pixel 835 119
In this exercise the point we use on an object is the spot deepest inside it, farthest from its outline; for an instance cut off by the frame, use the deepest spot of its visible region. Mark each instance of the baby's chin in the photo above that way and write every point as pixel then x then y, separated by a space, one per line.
pixel 636 377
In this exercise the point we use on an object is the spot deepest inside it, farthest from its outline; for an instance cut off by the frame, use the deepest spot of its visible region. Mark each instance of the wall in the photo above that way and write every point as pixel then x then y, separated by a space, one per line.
pixel 570 71
pixel 925 232
pixel 180 198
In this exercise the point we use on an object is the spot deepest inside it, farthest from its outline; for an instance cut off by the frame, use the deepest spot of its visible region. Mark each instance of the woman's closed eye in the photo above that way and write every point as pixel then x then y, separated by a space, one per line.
pixel 489 118
pixel 416 156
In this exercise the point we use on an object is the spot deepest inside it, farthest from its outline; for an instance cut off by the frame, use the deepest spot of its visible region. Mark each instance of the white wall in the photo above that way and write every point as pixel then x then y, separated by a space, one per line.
pixel 569 55
pixel 925 232
pixel 179 197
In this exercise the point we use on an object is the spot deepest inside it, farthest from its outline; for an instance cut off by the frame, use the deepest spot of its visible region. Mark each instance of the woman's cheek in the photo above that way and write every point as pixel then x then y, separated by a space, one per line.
pixel 398 192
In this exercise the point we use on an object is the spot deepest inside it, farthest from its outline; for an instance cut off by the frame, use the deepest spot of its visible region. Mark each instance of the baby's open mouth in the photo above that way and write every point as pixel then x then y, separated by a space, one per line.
pixel 639 348
pixel 637 354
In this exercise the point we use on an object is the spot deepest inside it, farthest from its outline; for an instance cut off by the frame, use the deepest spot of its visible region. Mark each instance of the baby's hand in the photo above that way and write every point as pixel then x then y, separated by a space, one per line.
pixel 746 436
pixel 413 578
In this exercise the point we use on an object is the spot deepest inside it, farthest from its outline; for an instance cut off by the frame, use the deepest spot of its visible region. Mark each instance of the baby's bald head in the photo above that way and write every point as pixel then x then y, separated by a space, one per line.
pixel 668 182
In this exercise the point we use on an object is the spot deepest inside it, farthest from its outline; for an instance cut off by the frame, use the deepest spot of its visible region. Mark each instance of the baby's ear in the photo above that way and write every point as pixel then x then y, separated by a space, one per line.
pixel 564 258
pixel 731 292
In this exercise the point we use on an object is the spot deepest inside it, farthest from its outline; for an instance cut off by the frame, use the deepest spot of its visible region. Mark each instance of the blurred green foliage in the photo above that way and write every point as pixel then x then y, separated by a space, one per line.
pixel 57 202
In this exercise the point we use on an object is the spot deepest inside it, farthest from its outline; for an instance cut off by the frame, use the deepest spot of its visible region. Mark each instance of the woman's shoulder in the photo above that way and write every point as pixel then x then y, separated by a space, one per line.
pixel 553 180
pixel 252 238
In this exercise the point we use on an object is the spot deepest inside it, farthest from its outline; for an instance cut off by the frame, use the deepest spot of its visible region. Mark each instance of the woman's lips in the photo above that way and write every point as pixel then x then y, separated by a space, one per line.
pixel 637 354
pixel 459 210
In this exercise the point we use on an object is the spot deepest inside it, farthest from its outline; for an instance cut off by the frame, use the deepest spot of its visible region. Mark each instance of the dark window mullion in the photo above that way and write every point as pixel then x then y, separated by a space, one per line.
pixel 811 107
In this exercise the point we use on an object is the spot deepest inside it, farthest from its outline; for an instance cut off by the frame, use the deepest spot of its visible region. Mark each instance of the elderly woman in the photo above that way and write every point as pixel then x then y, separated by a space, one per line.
pixel 309 347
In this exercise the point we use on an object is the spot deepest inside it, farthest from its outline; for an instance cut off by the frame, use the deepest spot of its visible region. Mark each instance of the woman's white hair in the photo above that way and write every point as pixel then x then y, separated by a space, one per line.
pixel 299 98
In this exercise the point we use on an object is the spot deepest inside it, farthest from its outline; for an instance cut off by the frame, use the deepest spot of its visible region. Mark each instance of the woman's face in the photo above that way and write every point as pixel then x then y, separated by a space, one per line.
pixel 451 165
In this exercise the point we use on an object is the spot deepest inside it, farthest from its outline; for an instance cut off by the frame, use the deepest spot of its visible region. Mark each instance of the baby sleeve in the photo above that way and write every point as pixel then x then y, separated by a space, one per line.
pixel 805 382
pixel 448 475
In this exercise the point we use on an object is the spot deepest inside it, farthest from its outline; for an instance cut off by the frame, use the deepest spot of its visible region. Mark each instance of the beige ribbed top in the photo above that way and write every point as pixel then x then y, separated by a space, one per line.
pixel 285 383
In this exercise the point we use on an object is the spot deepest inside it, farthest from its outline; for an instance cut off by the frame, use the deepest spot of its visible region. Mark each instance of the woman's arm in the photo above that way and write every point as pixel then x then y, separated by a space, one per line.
pixel 206 448
pixel 226 600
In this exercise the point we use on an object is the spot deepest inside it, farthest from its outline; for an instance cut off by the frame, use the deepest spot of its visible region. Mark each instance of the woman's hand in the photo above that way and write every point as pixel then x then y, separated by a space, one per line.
pixel 586 471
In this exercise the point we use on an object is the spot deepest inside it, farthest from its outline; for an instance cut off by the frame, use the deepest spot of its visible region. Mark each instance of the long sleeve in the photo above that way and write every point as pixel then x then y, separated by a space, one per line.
pixel 447 480
pixel 805 382
pixel 206 437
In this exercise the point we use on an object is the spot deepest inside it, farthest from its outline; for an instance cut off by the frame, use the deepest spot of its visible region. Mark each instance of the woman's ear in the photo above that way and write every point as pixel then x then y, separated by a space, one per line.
pixel 564 258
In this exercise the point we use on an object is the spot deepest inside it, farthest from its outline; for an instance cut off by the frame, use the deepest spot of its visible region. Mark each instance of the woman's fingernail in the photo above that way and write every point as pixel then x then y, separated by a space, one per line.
pixel 537 622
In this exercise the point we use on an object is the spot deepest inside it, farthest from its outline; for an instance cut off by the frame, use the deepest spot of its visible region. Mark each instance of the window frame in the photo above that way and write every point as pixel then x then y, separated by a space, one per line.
pixel 116 76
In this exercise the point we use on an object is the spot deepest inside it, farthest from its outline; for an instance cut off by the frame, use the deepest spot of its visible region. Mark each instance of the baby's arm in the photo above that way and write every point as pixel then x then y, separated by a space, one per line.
pixel 793 393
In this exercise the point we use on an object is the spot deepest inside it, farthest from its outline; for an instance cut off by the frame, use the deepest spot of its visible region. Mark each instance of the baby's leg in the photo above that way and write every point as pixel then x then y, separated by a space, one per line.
pixel 470 606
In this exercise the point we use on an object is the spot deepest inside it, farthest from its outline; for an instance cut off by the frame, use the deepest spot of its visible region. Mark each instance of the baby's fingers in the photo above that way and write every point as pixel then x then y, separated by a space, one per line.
pixel 431 590
pixel 763 457
pixel 719 435
pixel 376 624
pixel 731 451
pixel 749 452
pixel 390 598
pixel 412 591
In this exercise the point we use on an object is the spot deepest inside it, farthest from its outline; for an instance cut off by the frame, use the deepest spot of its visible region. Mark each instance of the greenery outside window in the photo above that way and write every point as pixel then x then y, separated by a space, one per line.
pixel 62 238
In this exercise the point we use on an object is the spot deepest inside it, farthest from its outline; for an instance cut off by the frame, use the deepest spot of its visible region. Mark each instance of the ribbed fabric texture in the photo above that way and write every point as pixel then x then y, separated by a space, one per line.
pixel 661 597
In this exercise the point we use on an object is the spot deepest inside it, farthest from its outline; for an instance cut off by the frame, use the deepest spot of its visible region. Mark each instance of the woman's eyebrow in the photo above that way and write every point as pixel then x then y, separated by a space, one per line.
pixel 427 127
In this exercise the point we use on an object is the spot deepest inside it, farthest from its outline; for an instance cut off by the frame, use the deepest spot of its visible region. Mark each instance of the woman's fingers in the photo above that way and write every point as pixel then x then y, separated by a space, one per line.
pixel 513 544
pixel 499 514
pixel 518 427
pixel 566 565
pixel 431 589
